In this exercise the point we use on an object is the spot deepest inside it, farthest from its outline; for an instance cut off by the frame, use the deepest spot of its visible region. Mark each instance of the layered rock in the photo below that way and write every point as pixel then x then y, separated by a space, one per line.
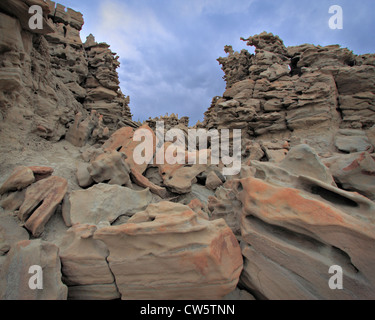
pixel 84 266
pixel 15 272
pixel 169 252
pixel 289 250
pixel 102 85
pixel 103 203
pixel 281 92
pixel 40 203
pixel 36 202
pixel 45 74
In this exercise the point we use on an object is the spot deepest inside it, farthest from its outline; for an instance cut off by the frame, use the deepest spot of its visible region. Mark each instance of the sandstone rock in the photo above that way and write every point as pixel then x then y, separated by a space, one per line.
pixel 253 151
pixel 11 39
pixel 110 167
pixel 371 135
pixel 352 141
pixel 41 173
pixel 10 233
pixel 15 274
pixel 83 176
pixel 235 66
pixel 41 201
pixel 123 140
pixel 179 178
pixel 276 156
pixel 303 160
pixel 294 247
pixel 195 258
pixel 10 79
pixel 85 129
pixel 13 201
pixel 20 9
pixel 142 181
pixel 268 42
pixel 224 205
pixel 90 153
pixel 213 181
pixel 20 178
pixel 84 266
pixel 201 193
pixel 103 202
pixel 354 172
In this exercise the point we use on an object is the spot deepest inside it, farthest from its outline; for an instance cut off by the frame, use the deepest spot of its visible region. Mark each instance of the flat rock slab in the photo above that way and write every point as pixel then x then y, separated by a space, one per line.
pixel 41 201
pixel 103 203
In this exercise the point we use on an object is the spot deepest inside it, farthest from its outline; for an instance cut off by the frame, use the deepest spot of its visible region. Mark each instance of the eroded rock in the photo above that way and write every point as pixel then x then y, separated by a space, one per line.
pixel 15 274
pixel 195 258
pixel 103 203
pixel 41 201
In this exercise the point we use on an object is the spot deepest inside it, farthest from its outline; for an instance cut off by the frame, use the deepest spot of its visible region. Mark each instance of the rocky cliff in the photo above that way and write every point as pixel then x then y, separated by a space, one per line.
pixel 49 75
pixel 74 200
pixel 322 94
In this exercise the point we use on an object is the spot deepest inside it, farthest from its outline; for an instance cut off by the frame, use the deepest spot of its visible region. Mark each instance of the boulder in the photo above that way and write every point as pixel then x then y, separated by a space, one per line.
pixel 354 172
pixel 303 160
pixel 291 239
pixel 110 167
pixel 169 252
pixel 20 178
pixel 41 201
pixel 84 266
pixel 352 141
pixel 103 203
pixel 83 175
pixel 213 181
pixel 41 173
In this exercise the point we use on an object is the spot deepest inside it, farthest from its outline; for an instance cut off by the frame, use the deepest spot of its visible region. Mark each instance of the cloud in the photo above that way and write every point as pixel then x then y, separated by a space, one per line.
pixel 222 7
pixel 168 48
pixel 131 27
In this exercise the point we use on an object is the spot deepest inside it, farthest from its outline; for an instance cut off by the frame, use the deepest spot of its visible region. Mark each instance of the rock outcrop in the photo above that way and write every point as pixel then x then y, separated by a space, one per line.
pixel 281 92
pixel 51 69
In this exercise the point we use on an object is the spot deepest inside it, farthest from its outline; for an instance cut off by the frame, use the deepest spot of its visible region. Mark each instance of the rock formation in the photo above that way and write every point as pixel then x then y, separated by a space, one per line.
pixel 281 93
pixel 76 201
pixel 203 261
pixel 51 69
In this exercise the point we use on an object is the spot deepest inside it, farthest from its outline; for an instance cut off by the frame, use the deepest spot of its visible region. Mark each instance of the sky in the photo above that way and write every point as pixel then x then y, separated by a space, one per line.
pixel 168 48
